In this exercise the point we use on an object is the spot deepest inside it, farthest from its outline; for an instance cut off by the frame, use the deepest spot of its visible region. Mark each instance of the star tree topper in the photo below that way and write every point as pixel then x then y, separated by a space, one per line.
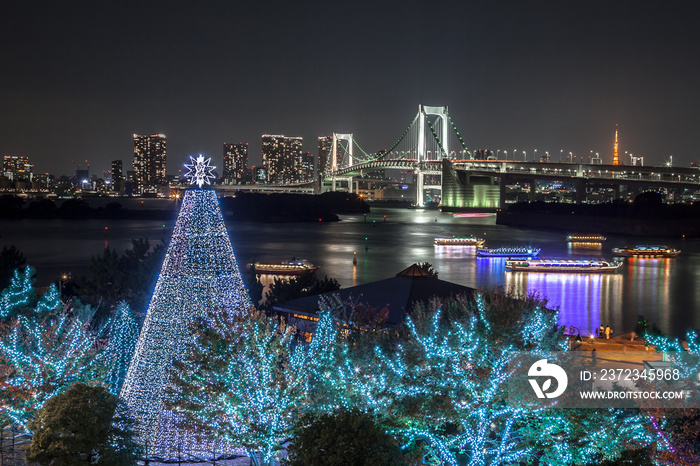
pixel 199 171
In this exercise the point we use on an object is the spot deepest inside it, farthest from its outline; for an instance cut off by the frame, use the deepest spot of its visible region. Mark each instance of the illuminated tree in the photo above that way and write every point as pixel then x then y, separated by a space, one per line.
pixel 677 429
pixel 123 333
pixel 199 274
pixel 245 380
pixel 41 356
pixel 588 436
pixel 20 294
pixel 445 382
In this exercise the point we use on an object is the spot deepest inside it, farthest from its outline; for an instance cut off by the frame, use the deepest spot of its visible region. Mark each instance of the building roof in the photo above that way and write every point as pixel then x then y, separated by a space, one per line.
pixel 398 294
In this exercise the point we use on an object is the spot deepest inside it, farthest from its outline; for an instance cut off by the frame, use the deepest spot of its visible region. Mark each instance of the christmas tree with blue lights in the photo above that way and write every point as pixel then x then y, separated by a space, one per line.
pixel 199 274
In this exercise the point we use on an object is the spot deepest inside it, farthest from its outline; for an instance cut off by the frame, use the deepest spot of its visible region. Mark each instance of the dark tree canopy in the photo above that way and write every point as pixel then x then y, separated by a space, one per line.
pixel 128 277
pixel 10 259
pixel 343 438
pixel 76 427
pixel 300 286
pixel 649 197
pixel 428 267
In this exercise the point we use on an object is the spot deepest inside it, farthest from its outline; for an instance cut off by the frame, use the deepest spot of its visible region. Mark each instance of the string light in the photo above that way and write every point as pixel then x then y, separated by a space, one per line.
pixel 20 293
pixel 42 354
pixel 199 274
pixel 247 379
pixel 123 333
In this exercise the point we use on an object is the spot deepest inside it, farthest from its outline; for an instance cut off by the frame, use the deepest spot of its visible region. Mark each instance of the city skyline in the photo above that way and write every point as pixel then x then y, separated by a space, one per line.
pixel 82 78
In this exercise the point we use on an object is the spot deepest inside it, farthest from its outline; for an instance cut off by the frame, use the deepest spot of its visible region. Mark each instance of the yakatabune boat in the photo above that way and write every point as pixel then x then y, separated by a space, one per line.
pixel 562 266
pixel 513 253
pixel 465 241
pixel 646 251
pixel 585 238
pixel 293 267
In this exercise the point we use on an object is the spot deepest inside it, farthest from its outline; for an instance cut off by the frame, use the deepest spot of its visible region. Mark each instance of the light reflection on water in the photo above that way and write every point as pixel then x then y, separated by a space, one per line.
pixel 454 252
pixel 585 301
pixel 665 291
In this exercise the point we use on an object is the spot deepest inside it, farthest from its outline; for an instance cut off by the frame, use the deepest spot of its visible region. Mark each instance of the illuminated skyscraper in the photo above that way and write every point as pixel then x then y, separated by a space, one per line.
pixel 282 158
pixel 17 167
pixel 117 174
pixel 325 147
pixel 616 159
pixel 307 167
pixel 149 162
pixel 235 162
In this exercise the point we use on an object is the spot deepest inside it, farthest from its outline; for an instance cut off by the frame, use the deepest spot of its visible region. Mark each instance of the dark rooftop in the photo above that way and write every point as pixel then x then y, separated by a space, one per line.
pixel 398 294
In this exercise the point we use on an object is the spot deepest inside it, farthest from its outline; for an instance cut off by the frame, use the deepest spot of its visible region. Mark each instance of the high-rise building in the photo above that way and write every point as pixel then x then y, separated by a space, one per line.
pixel 325 149
pixel 307 167
pixel 117 173
pixel 294 171
pixel 235 162
pixel 281 157
pixel 149 162
pixel 17 167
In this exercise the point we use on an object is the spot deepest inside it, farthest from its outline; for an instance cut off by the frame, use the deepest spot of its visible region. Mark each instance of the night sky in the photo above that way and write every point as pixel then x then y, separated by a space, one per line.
pixel 79 78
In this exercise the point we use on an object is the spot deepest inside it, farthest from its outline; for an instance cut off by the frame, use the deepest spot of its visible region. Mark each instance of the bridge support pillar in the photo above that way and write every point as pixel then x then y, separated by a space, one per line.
pixel 580 190
pixel 333 187
pixel 503 181
pixel 533 191
pixel 419 188
pixel 350 185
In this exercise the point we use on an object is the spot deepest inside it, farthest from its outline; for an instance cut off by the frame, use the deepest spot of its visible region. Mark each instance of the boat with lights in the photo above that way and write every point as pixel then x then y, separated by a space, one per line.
pixel 563 266
pixel 592 239
pixel 464 241
pixel 651 251
pixel 295 266
pixel 512 253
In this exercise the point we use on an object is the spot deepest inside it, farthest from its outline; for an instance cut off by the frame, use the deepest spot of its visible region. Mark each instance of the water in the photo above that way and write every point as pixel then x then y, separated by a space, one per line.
pixel 665 291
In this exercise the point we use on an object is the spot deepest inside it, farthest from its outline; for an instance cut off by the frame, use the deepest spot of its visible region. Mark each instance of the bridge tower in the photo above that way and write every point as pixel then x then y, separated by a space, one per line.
pixel 423 112
pixel 334 155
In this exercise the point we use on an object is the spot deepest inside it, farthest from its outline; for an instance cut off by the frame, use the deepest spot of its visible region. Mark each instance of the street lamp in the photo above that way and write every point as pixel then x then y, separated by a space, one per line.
pixel 506 152
pixel 524 156
pixel 571 157
pixel 561 151
pixel 497 151
pixel 534 156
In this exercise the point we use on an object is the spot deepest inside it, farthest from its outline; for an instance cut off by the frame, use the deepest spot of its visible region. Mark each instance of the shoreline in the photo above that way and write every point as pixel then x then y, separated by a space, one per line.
pixel 678 227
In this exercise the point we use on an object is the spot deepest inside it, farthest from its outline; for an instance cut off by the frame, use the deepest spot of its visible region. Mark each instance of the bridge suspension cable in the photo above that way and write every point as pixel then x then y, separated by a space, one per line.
pixel 461 141
pixel 403 135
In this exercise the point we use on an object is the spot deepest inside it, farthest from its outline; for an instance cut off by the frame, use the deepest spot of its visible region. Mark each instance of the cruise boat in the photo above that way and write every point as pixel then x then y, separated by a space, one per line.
pixel 465 241
pixel 512 253
pixel 593 239
pixel 295 266
pixel 646 251
pixel 562 266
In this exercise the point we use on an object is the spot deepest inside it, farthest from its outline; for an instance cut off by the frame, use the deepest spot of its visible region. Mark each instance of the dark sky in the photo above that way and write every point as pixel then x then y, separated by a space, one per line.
pixel 79 78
